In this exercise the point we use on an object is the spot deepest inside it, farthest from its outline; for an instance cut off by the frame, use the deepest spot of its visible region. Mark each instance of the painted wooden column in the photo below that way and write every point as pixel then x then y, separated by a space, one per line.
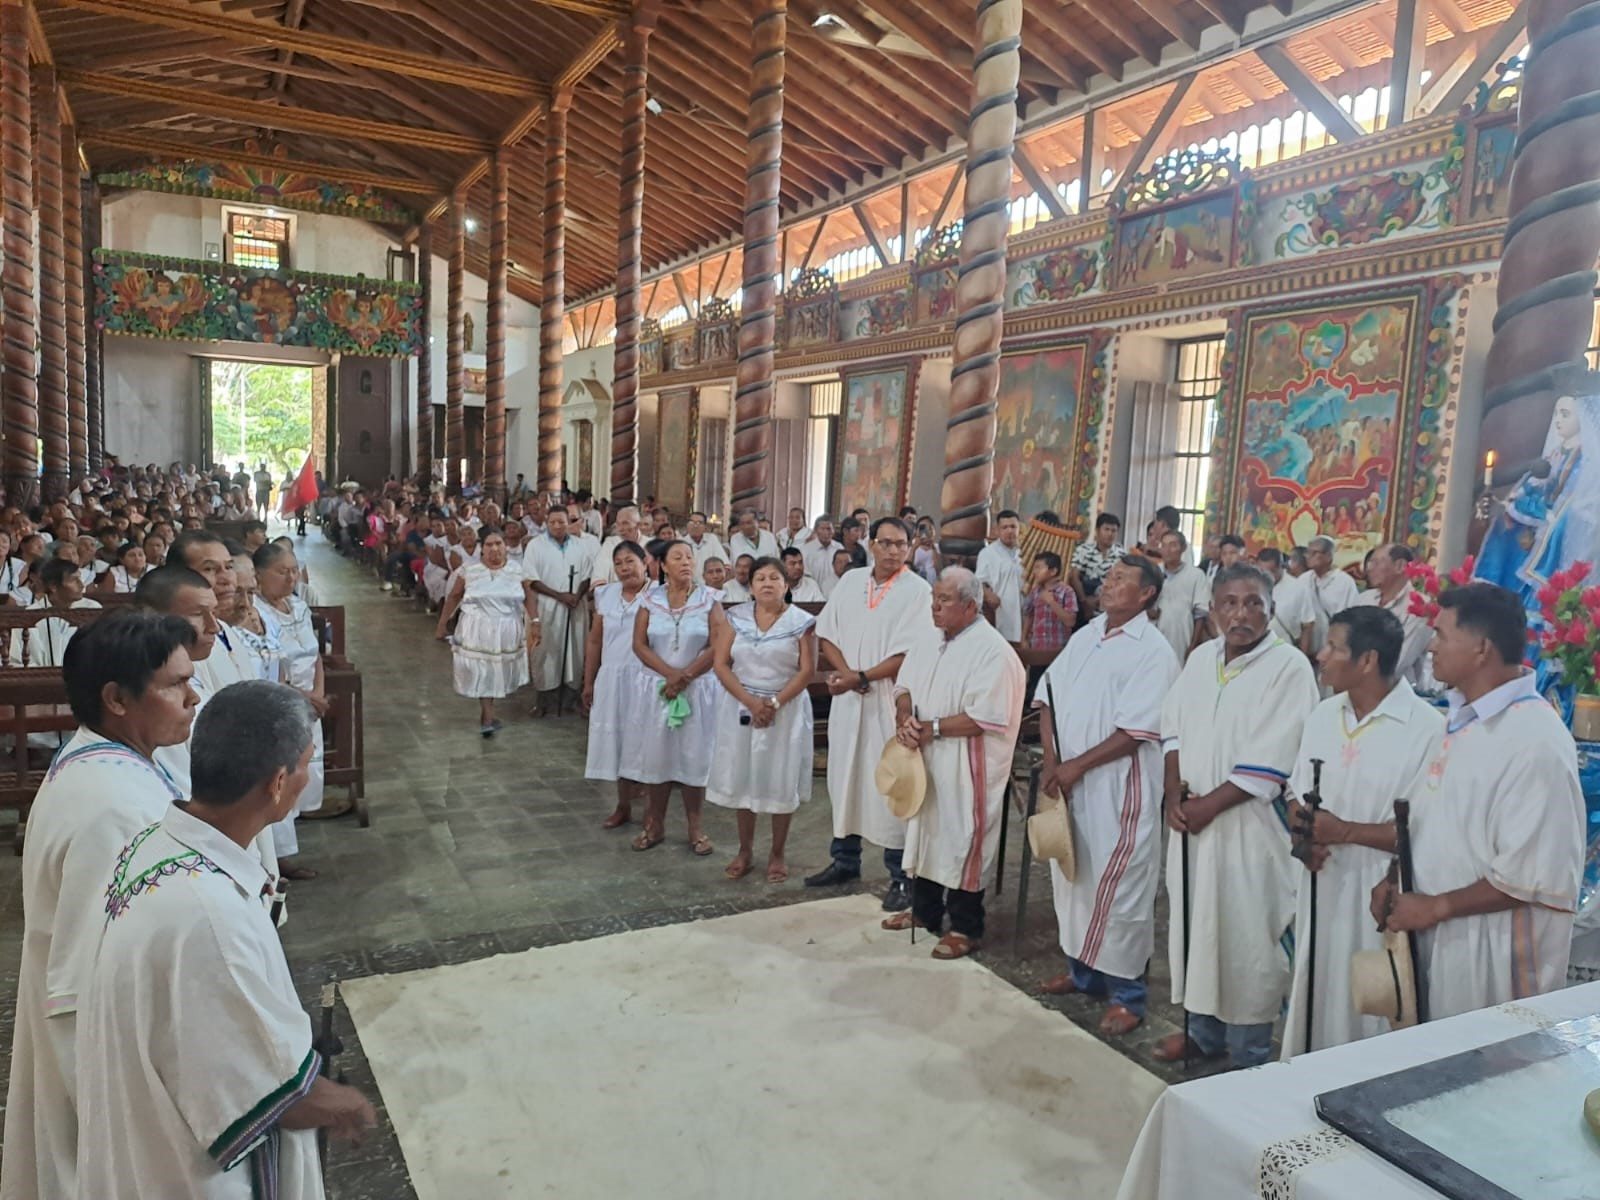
pixel 455 427
pixel 425 463
pixel 94 338
pixel 630 234
pixel 494 348
pixel 19 397
pixel 77 317
pixel 980 281
pixel 552 307
pixel 1547 275
pixel 52 285
pixel 758 323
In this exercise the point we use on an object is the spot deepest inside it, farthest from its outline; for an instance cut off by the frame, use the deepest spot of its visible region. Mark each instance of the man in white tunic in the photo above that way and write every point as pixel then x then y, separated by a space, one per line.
pixel 959 700
pixel 795 532
pixel 196 1073
pixel 749 538
pixel 705 545
pixel 1185 597
pixel 1391 589
pixel 127 678
pixel 1329 589
pixel 559 566
pixel 819 554
pixel 1497 823
pixel 1000 574
pixel 1374 738
pixel 1100 726
pixel 802 588
pixel 627 530
pixel 1230 730
pixel 870 621
pixel 1291 605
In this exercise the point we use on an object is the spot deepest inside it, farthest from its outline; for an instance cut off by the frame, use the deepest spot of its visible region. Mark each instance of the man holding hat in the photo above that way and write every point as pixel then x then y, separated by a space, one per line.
pixel 1498 838
pixel 1100 725
pixel 1374 738
pixel 959 700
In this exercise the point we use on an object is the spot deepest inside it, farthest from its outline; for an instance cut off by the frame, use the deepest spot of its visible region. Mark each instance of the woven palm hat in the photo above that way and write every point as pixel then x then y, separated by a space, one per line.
pixel 902 777
pixel 1383 983
pixel 1050 836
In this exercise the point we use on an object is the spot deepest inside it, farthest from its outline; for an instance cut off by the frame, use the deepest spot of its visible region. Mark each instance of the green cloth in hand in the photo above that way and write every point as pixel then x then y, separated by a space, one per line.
pixel 678 709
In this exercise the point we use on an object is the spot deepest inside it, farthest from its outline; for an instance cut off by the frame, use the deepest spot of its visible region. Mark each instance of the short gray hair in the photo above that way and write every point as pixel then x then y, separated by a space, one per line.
pixel 631 508
pixel 1321 542
pixel 965 582
pixel 244 735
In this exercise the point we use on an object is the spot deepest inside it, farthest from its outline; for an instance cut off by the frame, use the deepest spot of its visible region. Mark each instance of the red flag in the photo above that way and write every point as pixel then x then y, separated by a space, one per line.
pixel 304 490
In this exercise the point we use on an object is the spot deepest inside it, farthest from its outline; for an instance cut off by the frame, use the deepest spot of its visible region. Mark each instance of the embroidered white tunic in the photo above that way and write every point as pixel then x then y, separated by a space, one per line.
pixel 1500 801
pixel 1238 723
pixel 708 547
pixel 1101 683
pixel 560 567
pixel 1291 608
pixel 1330 595
pixel 1185 599
pixel 1367 764
pixel 868 622
pixel 819 564
pixel 96 796
pixel 806 592
pixel 764 546
pixel 954 838
pixel 1414 667
pixel 192 1042
pixel 1000 567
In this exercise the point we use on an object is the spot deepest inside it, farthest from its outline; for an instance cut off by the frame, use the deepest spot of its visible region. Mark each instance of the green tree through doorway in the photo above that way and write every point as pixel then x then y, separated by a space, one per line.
pixel 260 412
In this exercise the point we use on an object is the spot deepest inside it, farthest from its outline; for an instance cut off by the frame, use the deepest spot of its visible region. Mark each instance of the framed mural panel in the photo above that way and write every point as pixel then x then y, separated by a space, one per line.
pixel 1323 422
pixel 1178 220
pixel 1038 427
pixel 873 459
pixel 677 441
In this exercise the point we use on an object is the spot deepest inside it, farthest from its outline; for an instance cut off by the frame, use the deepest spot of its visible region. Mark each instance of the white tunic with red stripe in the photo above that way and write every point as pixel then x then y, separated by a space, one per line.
pixel 953 840
pixel 1101 683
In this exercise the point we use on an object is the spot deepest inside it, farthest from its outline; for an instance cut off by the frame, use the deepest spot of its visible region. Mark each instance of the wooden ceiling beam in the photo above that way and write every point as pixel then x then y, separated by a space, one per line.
pixel 175 52
pixel 190 18
pixel 1492 49
pixel 1069 75
pixel 1035 179
pixel 1319 101
pixel 1234 23
pixel 872 234
pixel 1166 14
pixel 1114 22
pixel 1160 129
pixel 273 116
pixel 454 31
pixel 292 17
pixel 1405 68
pixel 176 151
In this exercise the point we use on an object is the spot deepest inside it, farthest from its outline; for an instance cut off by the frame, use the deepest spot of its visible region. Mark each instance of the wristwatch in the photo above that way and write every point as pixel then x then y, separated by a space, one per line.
pixel 862 676
pixel 936 734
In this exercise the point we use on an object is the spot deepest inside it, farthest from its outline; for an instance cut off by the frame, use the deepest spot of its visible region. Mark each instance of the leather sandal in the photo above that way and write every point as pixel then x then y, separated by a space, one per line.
pixel 1062 985
pixel 1119 1021
pixel 899 921
pixel 1171 1049
pixel 954 945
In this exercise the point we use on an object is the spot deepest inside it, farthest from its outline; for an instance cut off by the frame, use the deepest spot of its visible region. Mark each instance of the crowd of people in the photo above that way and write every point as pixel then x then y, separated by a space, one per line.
pixel 1260 712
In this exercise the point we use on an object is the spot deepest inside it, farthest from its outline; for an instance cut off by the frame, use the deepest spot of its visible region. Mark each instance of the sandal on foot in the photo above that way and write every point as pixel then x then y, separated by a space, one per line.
pixel 777 874
pixel 954 945
pixel 648 840
pixel 1119 1021
pixel 899 921
pixel 702 846
pixel 1061 985
pixel 736 869
pixel 620 817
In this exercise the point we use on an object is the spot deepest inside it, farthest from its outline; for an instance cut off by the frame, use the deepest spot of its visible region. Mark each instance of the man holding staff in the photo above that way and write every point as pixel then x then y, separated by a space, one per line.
pixel 559 566
pixel 1230 729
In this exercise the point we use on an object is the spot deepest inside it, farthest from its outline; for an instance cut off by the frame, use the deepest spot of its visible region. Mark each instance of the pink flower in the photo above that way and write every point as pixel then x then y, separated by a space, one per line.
pixel 1418 605
pixel 1575 634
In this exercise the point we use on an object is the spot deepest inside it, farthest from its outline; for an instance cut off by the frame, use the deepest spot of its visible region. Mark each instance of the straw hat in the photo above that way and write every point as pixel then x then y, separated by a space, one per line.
pixel 1050 835
pixel 902 777
pixel 1383 983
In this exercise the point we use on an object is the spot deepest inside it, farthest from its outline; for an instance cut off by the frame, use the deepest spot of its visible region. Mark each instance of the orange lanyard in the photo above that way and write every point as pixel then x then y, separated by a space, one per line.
pixel 875 597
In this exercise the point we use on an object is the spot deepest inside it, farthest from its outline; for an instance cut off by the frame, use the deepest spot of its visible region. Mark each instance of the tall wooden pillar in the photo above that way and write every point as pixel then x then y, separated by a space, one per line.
pixel 94 338
pixel 77 317
pixel 455 431
pixel 52 285
pixel 981 280
pixel 758 323
pixel 19 397
pixel 425 464
pixel 494 348
pixel 630 233
pixel 552 308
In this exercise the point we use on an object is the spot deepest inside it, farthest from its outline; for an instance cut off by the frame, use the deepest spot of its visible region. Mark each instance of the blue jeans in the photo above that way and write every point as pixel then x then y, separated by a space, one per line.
pixel 846 852
pixel 1130 993
pixel 1247 1045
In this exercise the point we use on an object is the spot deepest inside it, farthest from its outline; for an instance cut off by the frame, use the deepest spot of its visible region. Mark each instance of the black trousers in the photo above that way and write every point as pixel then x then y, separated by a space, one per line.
pixel 931 902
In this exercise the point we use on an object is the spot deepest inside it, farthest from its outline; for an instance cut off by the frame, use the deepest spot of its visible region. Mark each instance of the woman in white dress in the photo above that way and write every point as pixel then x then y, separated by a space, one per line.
pixel 461 555
pixel 123 578
pixel 287 620
pixel 499 625
pixel 609 667
pixel 257 658
pixel 672 699
pixel 765 653
pixel 436 571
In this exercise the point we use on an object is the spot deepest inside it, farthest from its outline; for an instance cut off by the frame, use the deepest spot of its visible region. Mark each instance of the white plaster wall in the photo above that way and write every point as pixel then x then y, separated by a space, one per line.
pixel 152 401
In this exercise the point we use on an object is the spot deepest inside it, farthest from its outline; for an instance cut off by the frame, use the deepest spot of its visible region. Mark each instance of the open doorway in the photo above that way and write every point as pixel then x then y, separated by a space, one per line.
pixel 260 417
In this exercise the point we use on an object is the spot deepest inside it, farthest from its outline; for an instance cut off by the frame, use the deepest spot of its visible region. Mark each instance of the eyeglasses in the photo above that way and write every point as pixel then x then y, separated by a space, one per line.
pixel 892 544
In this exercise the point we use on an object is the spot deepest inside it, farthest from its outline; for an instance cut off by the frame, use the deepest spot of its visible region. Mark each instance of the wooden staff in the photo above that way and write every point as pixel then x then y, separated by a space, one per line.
pixel 552 306
pixel 52 287
pixel 1402 857
pixel 19 396
pixel 630 235
pixel 981 281
pixel 1304 850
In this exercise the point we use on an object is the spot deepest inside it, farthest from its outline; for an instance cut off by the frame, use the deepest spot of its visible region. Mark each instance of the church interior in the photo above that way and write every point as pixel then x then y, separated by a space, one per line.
pixel 1298 272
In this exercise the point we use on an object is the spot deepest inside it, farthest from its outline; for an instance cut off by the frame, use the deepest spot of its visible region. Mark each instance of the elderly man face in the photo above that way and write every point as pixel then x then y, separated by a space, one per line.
pixel 628 524
pixel 1319 556
pixel 952 611
pixel 824 532
pixel 748 524
pixel 1382 570
pixel 715 573
pixel 1241 608
pixel 697 526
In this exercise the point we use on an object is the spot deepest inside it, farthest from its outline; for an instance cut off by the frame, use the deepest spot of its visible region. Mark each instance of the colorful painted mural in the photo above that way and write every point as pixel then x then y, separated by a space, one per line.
pixel 875 439
pixel 875 316
pixel 475 381
pixel 259 184
pixel 810 309
pixel 1494 138
pixel 1036 416
pixel 1358 211
pixel 1191 237
pixel 677 437
pixel 933 280
pixel 145 295
pixel 1320 415
pixel 1055 276
pixel 715 331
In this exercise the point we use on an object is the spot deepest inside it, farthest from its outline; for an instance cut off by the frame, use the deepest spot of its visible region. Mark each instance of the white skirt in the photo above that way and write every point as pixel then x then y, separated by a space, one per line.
pixel 608 726
pixel 652 753
pixel 763 770
pixel 434 578
pixel 491 655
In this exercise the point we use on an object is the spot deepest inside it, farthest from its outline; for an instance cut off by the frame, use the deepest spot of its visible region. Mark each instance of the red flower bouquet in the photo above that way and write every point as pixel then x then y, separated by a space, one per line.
pixel 1571 635
pixel 1426 585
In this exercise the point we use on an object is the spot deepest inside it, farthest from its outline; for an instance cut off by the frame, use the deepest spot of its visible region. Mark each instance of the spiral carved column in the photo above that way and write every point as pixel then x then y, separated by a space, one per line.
pixel 52 286
pixel 77 332
pixel 981 280
pixel 1547 271
pixel 758 315
pixel 494 347
pixel 552 308
pixel 94 338
pixel 455 428
pixel 19 397
pixel 630 234
pixel 425 466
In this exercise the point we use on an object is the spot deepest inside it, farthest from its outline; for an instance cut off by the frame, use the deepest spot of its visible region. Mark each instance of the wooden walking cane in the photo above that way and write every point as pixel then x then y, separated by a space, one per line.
pixel 1303 851
pixel 1402 854
pixel 329 1046
pixel 566 641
